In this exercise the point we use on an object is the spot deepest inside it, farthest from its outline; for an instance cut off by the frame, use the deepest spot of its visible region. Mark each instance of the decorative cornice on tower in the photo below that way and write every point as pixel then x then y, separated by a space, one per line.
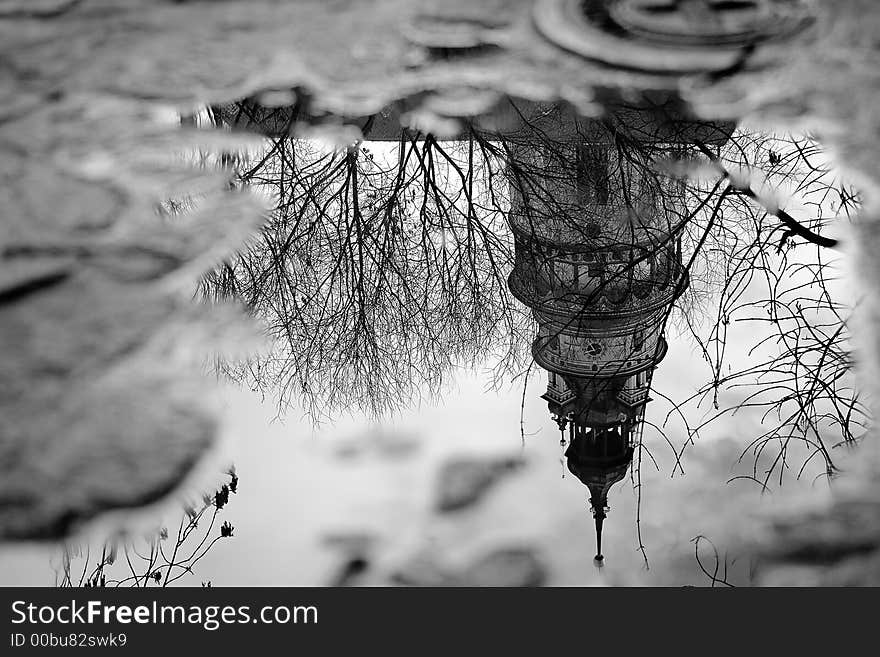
pixel 587 287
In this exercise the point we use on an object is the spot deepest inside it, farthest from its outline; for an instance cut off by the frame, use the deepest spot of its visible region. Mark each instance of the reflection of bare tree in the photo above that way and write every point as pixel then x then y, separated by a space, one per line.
pixel 375 277
pixel 384 265
pixel 780 280
pixel 718 573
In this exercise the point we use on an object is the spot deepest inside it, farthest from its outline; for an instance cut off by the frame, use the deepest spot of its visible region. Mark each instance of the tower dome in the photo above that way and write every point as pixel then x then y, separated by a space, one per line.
pixel 599 459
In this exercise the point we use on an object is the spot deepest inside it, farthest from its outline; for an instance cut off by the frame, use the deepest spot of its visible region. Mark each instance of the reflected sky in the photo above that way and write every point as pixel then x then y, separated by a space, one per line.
pixel 300 488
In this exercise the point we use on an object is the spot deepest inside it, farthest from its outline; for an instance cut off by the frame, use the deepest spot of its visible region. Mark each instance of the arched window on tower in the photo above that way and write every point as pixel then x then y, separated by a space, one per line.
pixel 592 174
pixel 638 339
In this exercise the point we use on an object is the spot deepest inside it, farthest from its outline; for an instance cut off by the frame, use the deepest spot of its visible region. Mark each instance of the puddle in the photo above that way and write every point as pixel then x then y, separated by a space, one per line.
pixel 521 293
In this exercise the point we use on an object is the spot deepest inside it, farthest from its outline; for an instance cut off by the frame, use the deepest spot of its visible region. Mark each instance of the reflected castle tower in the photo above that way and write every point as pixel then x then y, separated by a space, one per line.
pixel 599 263
pixel 598 256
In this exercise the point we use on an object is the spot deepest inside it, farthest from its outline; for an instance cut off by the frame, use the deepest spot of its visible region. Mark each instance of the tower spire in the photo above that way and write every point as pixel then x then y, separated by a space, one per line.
pixel 598 504
pixel 599 558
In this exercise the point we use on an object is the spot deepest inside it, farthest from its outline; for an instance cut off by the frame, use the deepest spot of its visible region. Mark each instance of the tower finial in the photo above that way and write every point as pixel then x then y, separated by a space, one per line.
pixel 561 422
pixel 599 558
pixel 599 505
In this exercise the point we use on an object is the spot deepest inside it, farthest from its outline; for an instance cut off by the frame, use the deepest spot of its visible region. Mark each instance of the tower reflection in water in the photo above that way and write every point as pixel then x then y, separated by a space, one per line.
pixel 598 256
pixel 599 263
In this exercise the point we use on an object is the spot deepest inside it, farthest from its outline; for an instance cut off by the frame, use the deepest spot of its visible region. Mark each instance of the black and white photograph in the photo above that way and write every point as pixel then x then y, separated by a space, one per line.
pixel 571 294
